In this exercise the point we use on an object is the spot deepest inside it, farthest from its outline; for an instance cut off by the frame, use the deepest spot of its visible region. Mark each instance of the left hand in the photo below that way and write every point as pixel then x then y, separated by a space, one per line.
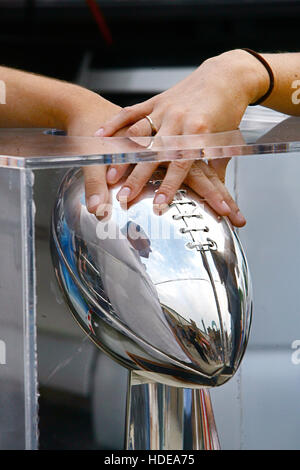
pixel 82 123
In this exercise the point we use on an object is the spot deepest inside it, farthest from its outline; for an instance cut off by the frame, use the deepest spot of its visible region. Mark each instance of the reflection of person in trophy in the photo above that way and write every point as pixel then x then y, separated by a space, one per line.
pixel 123 275
pixel 155 321
pixel 138 238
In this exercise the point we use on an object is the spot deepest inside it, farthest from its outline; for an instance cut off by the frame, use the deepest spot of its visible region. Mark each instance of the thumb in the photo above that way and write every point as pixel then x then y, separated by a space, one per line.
pixel 96 192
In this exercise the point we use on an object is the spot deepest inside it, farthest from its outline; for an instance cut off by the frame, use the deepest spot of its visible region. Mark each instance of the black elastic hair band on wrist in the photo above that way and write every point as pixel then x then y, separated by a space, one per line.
pixel 270 72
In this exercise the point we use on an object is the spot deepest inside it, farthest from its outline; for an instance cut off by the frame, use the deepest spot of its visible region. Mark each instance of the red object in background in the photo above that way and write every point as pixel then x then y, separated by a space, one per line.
pixel 100 20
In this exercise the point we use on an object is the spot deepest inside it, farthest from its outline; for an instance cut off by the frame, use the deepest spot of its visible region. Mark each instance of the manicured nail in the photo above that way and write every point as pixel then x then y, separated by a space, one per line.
pixel 93 201
pixel 111 175
pixel 225 207
pixel 160 199
pixel 159 204
pixel 239 216
pixel 99 132
pixel 123 194
pixel 103 210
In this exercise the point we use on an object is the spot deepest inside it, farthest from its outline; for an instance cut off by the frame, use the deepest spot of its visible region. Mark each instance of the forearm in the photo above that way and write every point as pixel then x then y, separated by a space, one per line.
pixel 37 101
pixel 286 69
pixel 249 76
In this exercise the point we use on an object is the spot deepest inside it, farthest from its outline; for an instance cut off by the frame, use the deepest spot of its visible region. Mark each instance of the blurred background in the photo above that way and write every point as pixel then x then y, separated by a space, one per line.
pixel 129 50
pixel 143 46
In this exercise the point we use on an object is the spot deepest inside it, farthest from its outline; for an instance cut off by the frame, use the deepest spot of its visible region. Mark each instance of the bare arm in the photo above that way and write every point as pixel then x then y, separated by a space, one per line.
pixel 286 69
pixel 36 101
pixel 33 100
pixel 212 99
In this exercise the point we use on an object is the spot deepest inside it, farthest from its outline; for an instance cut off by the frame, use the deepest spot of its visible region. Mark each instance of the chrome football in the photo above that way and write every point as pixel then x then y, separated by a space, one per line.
pixel 166 294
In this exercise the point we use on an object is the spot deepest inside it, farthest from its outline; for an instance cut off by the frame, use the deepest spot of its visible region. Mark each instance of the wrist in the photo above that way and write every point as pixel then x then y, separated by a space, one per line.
pixel 246 75
pixel 72 103
pixel 85 111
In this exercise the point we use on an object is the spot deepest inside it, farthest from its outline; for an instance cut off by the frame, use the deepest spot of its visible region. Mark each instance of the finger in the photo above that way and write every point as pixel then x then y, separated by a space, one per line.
pixel 235 215
pixel 174 178
pixel 142 132
pixel 115 173
pixel 136 181
pixel 177 170
pixel 170 126
pixel 96 192
pixel 219 165
pixel 104 210
pixel 126 116
pixel 201 184
pixel 206 183
pixel 140 128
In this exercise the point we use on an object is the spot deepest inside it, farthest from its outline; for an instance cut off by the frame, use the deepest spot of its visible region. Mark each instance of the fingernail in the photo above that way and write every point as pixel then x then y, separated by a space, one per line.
pixel 123 194
pixel 225 207
pixel 111 175
pixel 160 199
pixel 93 201
pixel 239 216
pixel 103 210
pixel 99 132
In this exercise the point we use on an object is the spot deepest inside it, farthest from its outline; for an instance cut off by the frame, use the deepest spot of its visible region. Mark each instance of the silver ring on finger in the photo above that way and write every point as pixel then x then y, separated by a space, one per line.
pixel 151 143
pixel 152 125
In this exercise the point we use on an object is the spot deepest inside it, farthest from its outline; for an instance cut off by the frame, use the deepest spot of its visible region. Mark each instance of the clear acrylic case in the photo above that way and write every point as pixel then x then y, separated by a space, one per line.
pixel 57 390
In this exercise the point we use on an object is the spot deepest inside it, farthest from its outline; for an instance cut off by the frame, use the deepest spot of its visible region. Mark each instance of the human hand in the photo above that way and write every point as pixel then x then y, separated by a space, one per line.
pixel 205 178
pixel 84 122
pixel 201 104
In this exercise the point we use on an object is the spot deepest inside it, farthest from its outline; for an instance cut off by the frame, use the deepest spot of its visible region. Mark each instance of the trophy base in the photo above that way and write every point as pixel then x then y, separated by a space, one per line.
pixel 160 417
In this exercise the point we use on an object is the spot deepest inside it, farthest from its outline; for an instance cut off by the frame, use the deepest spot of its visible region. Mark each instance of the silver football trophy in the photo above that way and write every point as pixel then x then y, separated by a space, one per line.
pixel 166 294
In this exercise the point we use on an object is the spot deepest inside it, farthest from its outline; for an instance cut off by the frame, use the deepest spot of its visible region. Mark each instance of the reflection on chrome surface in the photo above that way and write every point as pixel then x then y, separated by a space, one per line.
pixel 166 295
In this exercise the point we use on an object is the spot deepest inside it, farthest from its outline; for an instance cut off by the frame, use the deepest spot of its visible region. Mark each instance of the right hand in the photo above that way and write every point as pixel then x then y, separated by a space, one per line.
pixel 212 99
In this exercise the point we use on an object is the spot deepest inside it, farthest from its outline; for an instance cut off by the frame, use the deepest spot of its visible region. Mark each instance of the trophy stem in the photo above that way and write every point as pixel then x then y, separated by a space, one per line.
pixel 160 417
